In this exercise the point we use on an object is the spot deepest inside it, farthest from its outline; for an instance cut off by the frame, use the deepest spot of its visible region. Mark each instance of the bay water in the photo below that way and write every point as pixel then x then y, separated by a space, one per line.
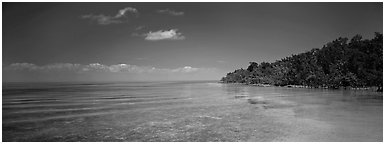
pixel 186 111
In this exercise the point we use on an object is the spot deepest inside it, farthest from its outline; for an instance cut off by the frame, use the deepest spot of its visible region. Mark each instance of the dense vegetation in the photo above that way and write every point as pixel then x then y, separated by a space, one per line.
pixel 340 63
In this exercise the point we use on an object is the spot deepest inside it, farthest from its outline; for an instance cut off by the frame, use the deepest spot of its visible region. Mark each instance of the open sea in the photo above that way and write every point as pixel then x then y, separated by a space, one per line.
pixel 187 111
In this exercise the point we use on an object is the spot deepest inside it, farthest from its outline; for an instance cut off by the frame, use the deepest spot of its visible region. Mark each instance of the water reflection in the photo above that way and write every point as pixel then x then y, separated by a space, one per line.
pixel 320 104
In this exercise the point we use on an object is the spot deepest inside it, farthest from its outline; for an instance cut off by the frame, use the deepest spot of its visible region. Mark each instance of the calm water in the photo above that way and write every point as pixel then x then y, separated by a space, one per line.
pixel 144 111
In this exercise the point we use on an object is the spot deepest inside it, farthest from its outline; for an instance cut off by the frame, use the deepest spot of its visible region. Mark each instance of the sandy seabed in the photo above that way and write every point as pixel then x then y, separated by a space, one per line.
pixel 189 112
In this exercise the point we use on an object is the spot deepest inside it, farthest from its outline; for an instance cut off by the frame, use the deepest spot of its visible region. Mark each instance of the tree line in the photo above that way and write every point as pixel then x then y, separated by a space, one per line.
pixel 341 63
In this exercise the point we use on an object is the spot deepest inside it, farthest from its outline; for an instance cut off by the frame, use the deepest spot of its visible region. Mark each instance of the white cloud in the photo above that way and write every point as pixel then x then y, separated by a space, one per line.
pixel 185 69
pixel 105 19
pixel 122 12
pixel 61 66
pixel 97 67
pixel 129 68
pixel 50 67
pixel 164 35
pixel 22 66
pixel 171 12
pixel 100 72
pixel 94 67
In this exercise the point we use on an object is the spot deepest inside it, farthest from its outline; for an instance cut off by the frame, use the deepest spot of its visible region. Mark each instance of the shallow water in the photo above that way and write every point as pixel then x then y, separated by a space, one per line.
pixel 187 111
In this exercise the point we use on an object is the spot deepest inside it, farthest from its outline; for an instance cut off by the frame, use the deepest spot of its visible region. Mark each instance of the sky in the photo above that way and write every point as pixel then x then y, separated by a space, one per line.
pixel 167 41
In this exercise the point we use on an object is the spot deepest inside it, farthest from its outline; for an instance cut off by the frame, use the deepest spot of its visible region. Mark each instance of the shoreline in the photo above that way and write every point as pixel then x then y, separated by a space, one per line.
pixel 373 88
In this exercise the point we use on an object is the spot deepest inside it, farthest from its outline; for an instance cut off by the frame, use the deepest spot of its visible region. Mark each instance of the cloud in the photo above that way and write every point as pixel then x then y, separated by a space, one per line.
pixel 29 72
pixel 22 66
pixel 185 69
pixel 94 67
pixel 97 67
pixel 105 19
pixel 50 67
pixel 122 12
pixel 164 35
pixel 171 12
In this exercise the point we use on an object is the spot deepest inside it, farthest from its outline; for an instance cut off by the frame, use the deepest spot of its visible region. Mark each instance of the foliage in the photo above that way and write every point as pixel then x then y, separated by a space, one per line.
pixel 340 63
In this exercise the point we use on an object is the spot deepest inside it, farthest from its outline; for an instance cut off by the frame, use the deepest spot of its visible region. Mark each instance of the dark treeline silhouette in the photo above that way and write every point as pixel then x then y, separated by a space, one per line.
pixel 340 63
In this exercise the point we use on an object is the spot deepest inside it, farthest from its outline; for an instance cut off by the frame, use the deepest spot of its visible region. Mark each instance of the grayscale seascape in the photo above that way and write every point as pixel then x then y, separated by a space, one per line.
pixel 192 71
